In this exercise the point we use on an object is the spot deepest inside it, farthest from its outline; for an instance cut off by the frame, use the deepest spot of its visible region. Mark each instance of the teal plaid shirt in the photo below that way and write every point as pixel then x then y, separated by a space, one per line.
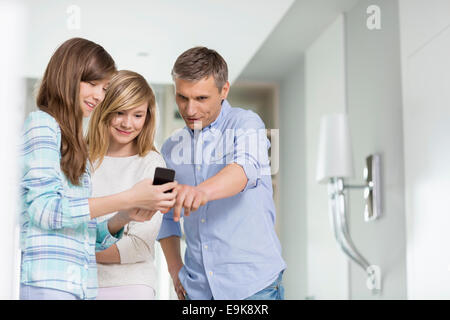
pixel 58 238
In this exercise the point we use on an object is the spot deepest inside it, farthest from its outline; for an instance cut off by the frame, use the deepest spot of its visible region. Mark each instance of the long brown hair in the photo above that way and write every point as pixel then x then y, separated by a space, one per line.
pixel 126 90
pixel 74 61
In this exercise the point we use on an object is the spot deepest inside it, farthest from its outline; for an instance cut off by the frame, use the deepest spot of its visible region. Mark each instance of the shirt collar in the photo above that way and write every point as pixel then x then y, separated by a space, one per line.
pixel 224 110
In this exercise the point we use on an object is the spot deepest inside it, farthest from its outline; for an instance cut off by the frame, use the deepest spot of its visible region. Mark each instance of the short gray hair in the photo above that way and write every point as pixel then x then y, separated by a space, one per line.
pixel 198 63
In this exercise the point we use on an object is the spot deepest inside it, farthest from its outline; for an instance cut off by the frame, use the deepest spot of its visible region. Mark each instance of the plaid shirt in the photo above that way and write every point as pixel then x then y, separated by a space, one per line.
pixel 58 238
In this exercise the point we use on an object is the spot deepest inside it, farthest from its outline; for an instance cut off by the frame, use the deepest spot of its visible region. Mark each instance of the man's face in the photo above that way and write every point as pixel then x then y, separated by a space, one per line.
pixel 199 101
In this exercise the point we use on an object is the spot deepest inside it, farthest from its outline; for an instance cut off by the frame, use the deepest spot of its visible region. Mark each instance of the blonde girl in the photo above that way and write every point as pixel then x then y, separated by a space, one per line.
pixel 121 146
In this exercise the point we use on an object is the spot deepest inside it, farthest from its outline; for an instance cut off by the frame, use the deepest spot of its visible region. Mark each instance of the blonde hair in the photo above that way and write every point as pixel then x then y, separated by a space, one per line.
pixel 126 90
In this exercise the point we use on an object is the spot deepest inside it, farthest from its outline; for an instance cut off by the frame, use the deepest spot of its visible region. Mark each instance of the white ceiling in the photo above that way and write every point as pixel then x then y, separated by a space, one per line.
pixel 161 28
pixel 302 24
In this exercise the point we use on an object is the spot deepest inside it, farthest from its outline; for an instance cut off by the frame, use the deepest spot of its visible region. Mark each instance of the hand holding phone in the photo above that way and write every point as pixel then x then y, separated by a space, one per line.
pixel 163 176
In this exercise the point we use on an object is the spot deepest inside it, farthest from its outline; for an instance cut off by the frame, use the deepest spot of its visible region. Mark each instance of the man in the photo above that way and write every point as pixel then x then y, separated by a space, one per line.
pixel 224 191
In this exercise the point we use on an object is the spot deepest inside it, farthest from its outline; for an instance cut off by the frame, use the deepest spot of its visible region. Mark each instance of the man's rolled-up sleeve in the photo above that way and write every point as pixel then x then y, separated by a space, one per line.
pixel 251 149
pixel 169 227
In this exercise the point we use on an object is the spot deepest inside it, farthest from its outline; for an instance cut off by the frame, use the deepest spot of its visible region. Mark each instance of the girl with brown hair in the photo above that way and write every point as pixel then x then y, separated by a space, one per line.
pixel 59 229
pixel 121 147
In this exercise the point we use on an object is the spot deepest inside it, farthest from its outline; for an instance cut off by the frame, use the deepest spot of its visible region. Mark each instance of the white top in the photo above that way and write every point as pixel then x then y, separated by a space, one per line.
pixel 137 246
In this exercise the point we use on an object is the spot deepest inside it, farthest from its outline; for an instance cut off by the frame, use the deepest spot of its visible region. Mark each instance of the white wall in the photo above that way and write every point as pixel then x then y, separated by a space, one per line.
pixel 327 268
pixel 374 106
pixel 12 19
pixel 426 94
pixel 292 182
pixel 162 29
pixel 352 69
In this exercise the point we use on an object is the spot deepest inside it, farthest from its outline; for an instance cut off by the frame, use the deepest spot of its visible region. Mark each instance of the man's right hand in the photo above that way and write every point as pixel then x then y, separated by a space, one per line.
pixel 177 284
pixel 171 249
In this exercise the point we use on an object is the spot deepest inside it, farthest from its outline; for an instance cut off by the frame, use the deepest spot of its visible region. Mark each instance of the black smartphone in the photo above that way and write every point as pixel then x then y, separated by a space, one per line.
pixel 163 175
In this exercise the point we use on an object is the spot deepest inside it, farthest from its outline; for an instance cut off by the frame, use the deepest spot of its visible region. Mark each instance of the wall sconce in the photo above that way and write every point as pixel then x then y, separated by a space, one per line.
pixel 334 165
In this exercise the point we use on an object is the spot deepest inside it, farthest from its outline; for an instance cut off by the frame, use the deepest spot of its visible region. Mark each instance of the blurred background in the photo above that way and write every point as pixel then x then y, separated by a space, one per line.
pixel 384 63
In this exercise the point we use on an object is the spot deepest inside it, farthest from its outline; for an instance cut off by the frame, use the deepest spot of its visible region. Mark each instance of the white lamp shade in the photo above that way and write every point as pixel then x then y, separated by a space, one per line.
pixel 335 149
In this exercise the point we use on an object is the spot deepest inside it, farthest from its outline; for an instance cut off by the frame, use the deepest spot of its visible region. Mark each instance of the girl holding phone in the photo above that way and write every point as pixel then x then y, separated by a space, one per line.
pixel 121 147
pixel 59 229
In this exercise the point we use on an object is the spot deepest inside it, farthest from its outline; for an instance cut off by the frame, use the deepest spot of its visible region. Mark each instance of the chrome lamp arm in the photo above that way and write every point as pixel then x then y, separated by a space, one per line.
pixel 338 219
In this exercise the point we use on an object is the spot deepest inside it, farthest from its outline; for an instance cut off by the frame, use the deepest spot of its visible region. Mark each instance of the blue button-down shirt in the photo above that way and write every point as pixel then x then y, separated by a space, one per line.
pixel 232 248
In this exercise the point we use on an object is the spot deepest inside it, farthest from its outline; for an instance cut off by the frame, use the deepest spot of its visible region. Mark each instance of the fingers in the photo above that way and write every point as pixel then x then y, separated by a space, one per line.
pixel 188 203
pixel 143 215
pixel 182 197
pixel 168 186
pixel 178 205
pixel 162 205
pixel 169 196
pixel 180 294
pixel 196 203
pixel 189 199
pixel 180 290
pixel 133 212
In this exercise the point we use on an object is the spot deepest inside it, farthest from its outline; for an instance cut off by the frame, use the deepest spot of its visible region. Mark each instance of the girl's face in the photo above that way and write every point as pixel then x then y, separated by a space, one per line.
pixel 91 94
pixel 126 125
